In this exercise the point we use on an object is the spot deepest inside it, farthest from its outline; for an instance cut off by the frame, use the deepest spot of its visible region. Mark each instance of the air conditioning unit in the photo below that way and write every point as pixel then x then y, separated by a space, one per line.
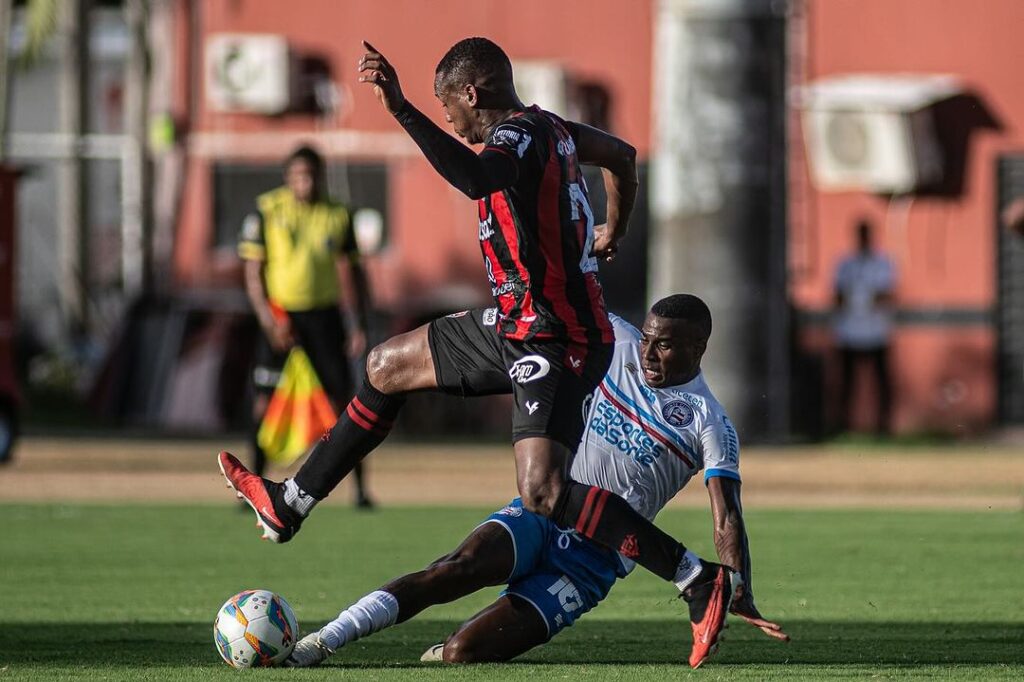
pixel 248 72
pixel 874 133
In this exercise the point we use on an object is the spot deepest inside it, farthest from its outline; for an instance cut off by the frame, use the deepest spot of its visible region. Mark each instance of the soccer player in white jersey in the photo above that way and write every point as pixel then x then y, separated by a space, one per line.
pixel 652 424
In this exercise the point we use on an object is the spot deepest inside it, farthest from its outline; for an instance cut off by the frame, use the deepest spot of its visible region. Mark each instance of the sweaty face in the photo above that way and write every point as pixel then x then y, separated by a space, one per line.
pixel 670 351
pixel 459 114
pixel 300 180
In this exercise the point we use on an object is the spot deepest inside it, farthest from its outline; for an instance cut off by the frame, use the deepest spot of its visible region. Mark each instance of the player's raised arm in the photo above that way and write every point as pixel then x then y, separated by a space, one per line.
pixel 474 175
pixel 732 548
pixel 617 160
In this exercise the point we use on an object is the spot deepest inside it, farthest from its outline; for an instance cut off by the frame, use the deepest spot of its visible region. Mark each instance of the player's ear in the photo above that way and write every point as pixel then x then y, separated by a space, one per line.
pixel 471 95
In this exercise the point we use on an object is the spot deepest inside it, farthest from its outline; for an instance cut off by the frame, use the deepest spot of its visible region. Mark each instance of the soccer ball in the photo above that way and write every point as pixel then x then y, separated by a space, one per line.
pixel 255 629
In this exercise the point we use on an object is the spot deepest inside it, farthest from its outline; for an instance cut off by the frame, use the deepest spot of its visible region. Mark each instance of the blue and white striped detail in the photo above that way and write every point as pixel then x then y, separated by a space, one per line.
pixel 653 421
pixel 722 473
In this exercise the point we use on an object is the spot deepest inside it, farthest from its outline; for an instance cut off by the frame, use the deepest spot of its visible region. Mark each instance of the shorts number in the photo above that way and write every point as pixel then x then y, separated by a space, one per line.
pixel 568 595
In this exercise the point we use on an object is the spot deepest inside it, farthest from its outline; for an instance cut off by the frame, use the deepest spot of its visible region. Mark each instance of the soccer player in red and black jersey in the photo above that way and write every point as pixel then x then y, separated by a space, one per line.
pixel 548 341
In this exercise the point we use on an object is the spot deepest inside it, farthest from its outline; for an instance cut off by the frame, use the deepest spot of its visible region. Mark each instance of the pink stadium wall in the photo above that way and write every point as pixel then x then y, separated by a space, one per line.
pixel 944 246
pixel 431 224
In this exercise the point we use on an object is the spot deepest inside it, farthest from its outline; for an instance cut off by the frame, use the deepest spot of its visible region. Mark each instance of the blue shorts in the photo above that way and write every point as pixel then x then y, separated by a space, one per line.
pixel 562 575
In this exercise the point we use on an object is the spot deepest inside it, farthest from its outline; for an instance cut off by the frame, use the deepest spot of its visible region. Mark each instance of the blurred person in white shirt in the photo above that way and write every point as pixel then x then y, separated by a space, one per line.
pixel 864 285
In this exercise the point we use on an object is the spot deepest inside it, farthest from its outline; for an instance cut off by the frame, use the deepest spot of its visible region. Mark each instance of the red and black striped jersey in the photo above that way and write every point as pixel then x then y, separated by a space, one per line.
pixel 537 236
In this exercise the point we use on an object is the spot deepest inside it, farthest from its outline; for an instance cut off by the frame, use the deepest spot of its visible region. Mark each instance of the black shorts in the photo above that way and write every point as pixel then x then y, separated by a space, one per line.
pixel 550 381
pixel 321 333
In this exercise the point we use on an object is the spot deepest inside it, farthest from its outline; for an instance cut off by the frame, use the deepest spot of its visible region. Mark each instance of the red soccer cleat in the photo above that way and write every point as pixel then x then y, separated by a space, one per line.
pixel 709 597
pixel 279 523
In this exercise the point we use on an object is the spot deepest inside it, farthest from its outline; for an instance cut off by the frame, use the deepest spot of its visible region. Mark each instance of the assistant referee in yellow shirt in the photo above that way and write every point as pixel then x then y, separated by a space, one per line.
pixel 301 267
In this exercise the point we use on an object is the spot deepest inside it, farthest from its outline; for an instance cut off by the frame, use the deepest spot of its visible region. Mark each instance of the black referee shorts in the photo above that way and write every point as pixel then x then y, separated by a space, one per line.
pixel 321 333
pixel 550 381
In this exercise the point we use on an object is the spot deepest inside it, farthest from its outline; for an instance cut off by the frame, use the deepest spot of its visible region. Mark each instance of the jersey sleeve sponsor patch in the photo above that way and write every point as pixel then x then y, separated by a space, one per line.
pixel 721 449
pixel 510 138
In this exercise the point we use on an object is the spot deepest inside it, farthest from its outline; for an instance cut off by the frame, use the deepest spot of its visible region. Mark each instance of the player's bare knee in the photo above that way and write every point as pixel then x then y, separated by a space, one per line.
pixel 452 652
pixel 381 363
pixel 459 649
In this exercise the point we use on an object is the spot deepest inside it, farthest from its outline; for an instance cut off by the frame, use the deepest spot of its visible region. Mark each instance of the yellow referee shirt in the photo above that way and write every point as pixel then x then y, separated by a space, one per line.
pixel 299 244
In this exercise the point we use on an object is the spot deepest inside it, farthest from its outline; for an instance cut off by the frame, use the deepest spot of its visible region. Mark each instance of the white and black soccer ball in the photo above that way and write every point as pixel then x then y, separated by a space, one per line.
pixel 255 629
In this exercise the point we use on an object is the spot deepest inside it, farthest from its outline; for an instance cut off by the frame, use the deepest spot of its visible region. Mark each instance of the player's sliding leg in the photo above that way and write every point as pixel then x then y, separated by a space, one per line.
pixel 507 628
pixel 397 366
pixel 487 557
pixel 608 520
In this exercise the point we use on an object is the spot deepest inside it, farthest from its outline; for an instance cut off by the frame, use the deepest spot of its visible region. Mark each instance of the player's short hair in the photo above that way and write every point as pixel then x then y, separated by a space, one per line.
pixel 309 155
pixel 685 307
pixel 478 61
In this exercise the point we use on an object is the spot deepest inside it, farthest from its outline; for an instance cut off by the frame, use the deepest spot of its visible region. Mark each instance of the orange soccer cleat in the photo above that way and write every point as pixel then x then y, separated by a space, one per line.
pixel 709 597
pixel 278 521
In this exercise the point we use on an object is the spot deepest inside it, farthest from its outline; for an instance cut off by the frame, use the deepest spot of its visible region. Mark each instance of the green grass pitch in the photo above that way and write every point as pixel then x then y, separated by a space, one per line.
pixel 130 593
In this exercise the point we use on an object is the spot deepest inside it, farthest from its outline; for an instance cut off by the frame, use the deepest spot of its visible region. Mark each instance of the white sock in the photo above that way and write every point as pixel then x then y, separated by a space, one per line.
pixel 689 568
pixel 297 498
pixel 372 613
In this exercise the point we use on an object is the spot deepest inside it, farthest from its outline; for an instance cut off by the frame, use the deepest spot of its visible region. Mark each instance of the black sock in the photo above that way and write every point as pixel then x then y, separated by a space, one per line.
pixel 608 520
pixel 366 422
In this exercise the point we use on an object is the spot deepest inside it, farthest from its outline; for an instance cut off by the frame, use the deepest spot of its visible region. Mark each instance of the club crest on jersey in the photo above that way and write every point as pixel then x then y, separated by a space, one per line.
pixel 514 512
pixel 678 413
pixel 529 368
pixel 490 317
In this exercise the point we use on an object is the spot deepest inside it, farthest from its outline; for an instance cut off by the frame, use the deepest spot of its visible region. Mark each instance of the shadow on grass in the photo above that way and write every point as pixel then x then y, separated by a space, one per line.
pixel 593 642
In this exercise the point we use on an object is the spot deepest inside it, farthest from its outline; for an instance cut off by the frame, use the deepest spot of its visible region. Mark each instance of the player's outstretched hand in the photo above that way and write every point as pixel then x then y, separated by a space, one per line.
pixel 605 247
pixel 375 69
pixel 743 606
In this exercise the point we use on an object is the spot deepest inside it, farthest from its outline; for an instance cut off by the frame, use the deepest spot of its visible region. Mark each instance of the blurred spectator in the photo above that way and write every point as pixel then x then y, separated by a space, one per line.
pixel 301 264
pixel 864 285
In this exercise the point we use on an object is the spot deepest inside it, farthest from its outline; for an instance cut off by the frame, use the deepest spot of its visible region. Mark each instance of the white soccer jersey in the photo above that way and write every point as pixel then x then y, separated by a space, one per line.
pixel 644 444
